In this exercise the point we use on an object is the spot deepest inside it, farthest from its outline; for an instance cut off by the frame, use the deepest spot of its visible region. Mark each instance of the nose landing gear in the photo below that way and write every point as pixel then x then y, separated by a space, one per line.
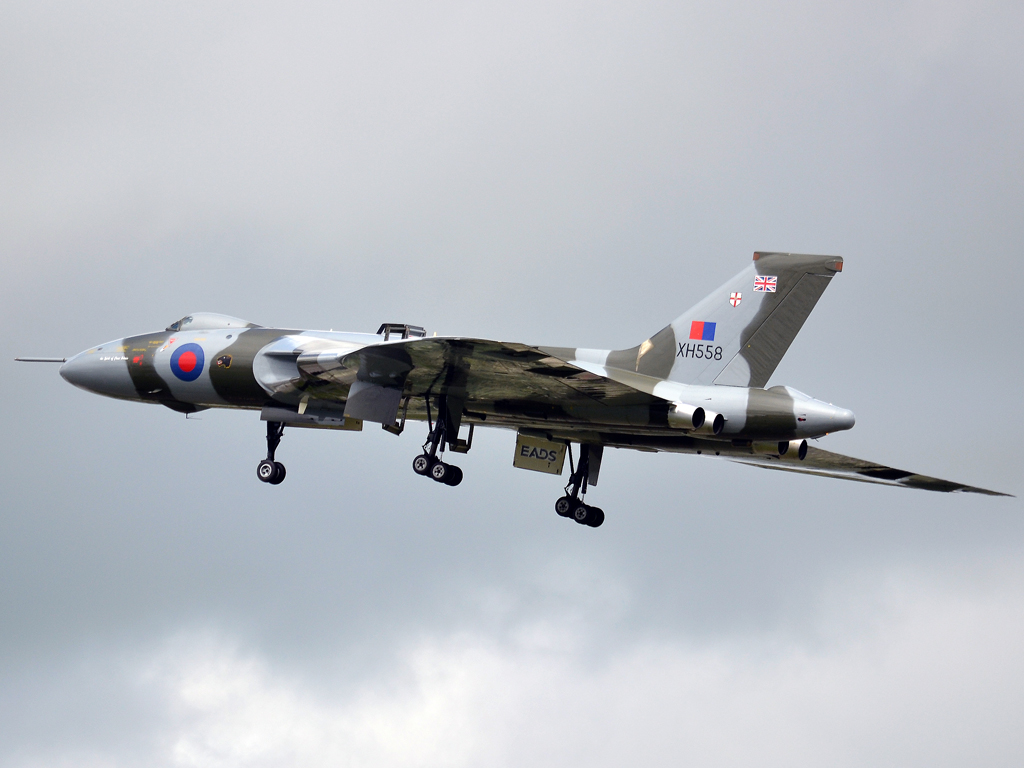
pixel 571 505
pixel 268 470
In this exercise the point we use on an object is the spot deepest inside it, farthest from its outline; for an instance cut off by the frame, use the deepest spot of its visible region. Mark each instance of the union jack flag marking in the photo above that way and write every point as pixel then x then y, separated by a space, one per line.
pixel 735 299
pixel 766 283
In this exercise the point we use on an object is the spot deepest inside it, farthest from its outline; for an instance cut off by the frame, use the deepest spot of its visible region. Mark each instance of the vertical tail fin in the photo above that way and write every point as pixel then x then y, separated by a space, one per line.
pixel 740 332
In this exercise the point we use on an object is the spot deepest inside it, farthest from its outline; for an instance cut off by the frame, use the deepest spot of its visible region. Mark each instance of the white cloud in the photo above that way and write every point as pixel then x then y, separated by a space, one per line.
pixel 928 676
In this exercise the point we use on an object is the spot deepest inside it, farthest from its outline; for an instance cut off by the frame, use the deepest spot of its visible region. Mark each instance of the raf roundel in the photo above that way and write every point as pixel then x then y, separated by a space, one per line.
pixel 187 362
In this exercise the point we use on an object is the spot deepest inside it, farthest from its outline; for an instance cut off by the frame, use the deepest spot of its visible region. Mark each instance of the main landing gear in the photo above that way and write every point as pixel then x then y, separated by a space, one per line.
pixel 433 467
pixel 268 470
pixel 428 463
pixel 571 505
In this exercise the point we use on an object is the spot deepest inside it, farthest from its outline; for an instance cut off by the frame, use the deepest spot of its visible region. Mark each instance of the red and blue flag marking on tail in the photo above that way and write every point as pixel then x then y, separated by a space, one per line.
pixel 766 283
pixel 702 331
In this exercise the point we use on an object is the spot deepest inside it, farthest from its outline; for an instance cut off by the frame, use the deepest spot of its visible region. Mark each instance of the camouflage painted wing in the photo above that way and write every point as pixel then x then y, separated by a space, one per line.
pixel 516 385
pixel 827 464
pixel 498 382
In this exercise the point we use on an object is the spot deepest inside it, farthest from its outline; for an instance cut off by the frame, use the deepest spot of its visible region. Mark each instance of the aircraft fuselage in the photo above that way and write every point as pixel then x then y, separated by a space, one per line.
pixel 236 367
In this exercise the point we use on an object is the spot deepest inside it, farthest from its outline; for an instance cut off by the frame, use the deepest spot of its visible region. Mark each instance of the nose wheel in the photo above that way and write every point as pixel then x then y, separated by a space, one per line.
pixel 272 472
pixel 269 470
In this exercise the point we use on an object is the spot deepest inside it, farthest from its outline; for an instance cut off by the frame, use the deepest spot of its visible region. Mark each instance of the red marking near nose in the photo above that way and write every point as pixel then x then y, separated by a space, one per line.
pixel 136 359
pixel 187 362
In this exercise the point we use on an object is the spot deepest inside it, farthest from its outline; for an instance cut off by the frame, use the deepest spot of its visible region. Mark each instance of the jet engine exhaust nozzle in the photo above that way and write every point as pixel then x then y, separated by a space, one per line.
pixel 713 424
pixel 686 416
pixel 793 449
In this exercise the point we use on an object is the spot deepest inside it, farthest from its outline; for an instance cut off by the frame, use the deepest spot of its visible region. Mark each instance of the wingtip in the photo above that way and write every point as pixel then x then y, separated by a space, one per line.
pixel 987 492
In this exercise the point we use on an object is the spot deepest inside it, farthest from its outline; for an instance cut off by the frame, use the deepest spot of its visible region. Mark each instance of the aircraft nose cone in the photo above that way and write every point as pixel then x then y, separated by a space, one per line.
pixel 82 371
pixel 843 419
pixel 104 374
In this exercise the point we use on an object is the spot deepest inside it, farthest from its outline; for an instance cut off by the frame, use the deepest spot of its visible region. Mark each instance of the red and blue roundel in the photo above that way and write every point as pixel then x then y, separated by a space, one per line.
pixel 187 362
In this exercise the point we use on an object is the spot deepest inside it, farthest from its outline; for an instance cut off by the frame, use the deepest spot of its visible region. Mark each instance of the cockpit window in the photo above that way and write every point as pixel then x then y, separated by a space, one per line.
pixel 209 321
pixel 179 324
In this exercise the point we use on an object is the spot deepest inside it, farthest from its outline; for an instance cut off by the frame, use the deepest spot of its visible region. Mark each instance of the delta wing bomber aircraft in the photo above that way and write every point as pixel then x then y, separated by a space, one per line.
pixel 696 386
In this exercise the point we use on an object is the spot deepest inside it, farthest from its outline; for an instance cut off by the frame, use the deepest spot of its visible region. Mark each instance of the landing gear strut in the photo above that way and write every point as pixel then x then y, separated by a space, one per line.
pixel 429 463
pixel 268 470
pixel 571 505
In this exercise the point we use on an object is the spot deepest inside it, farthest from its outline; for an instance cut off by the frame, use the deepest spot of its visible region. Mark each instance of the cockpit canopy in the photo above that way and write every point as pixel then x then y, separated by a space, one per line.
pixel 209 321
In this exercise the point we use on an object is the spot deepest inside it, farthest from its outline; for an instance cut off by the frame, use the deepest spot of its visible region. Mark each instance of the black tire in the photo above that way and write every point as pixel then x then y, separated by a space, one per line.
pixel 596 517
pixel 423 463
pixel 266 470
pixel 278 477
pixel 454 476
pixel 563 507
pixel 440 472
pixel 581 513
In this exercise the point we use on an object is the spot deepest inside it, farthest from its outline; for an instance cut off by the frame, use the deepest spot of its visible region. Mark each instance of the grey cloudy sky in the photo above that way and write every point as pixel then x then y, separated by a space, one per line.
pixel 563 173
